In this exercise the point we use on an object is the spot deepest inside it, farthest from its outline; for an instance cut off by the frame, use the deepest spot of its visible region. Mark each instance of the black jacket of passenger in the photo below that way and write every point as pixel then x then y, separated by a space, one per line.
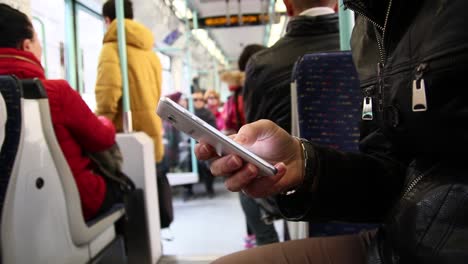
pixel 412 172
pixel 268 75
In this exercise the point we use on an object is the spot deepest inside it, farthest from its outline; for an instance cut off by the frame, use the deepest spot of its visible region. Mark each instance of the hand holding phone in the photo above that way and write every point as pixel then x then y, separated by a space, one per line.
pixel 201 131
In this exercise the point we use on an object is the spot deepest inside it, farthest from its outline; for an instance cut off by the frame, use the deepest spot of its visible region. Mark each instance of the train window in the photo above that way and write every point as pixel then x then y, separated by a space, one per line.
pixel 40 30
pixel 167 81
pixel 49 22
pixel 89 34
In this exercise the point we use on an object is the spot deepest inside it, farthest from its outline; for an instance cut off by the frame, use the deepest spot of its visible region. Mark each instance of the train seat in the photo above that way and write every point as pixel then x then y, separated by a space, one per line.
pixel 326 100
pixel 41 216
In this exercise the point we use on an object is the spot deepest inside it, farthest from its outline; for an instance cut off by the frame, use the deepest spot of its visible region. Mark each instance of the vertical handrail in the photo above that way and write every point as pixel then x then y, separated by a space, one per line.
pixel 79 55
pixel 44 45
pixel 127 114
pixel 346 26
pixel 70 44
pixel 271 10
pixel 189 73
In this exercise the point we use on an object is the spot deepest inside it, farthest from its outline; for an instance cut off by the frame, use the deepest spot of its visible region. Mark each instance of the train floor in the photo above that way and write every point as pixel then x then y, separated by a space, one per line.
pixel 205 228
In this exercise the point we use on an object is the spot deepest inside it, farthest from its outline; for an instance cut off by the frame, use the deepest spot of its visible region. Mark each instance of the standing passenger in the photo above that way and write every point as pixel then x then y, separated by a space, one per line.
pixel 213 103
pixel 313 28
pixel 144 75
pixel 203 171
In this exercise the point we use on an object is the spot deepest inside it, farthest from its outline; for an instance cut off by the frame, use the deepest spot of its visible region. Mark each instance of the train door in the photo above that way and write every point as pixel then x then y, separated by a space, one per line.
pixel 89 34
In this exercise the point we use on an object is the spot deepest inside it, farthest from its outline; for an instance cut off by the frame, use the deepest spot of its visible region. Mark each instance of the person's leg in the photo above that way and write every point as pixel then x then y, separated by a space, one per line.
pixel 207 177
pixel 264 233
pixel 351 249
pixel 188 192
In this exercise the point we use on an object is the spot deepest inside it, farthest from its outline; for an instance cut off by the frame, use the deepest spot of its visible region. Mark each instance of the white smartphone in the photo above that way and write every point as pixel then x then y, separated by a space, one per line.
pixel 201 131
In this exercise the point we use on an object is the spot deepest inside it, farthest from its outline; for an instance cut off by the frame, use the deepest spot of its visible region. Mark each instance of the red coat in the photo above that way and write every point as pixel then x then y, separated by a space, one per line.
pixel 77 129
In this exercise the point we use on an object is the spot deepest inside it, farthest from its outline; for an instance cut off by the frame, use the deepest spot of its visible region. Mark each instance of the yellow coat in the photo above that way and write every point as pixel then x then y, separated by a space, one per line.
pixel 145 77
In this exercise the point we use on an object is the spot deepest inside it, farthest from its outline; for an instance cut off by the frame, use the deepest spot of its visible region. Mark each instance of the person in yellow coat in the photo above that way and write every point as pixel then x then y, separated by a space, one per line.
pixel 144 74
pixel 145 80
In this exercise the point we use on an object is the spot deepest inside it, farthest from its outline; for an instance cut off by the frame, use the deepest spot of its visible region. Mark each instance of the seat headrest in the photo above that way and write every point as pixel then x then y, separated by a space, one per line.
pixel 33 89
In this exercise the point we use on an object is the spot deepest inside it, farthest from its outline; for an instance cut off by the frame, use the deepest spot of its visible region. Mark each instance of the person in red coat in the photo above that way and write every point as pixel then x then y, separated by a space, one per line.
pixel 77 129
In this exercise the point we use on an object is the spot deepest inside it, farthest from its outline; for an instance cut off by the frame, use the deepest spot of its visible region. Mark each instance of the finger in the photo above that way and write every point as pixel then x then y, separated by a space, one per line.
pixel 268 185
pixel 242 178
pixel 204 151
pixel 225 165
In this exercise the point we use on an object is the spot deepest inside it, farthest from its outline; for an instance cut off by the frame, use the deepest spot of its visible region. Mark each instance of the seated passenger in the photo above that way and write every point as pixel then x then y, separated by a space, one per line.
pixel 77 129
pixel 411 174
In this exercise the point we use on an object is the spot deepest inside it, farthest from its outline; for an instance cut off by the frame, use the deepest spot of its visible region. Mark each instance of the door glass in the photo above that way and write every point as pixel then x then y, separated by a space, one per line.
pixel 49 20
pixel 90 32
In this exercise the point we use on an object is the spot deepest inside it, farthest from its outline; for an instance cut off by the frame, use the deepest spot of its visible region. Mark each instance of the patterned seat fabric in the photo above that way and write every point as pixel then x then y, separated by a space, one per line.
pixel 329 111
pixel 329 100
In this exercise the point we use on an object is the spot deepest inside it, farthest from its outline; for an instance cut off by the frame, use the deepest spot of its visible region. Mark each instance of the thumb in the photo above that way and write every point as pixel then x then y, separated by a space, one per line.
pixel 256 131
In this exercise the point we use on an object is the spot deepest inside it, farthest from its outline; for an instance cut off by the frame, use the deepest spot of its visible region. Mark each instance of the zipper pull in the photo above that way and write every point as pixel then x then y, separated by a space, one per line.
pixel 367 109
pixel 419 90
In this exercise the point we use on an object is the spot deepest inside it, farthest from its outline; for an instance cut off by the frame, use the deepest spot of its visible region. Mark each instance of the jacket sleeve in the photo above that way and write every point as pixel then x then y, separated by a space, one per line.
pixel 91 133
pixel 108 84
pixel 248 91
pixel 356 187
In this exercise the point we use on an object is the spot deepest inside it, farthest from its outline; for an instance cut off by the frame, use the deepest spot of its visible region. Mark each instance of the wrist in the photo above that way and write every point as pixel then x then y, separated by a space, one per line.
pixel 304 168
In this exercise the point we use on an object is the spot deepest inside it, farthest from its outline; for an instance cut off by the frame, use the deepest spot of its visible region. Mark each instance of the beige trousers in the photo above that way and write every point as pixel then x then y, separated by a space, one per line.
pixel 349 249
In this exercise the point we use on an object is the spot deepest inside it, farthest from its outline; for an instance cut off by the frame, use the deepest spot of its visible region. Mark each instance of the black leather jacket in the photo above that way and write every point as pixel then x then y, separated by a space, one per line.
pixel 412 172
pixel 268 75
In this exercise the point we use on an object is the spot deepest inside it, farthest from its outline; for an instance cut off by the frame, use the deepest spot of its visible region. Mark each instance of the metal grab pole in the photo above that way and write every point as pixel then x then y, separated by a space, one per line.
pixel 127 114
pixel 346 26
pixel 188 56
pixel 70 54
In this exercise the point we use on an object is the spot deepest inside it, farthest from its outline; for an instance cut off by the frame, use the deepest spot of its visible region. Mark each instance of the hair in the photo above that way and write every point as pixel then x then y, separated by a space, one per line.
pixel 15 27
pixel 209 93
pixel 108 9
pixel 248 51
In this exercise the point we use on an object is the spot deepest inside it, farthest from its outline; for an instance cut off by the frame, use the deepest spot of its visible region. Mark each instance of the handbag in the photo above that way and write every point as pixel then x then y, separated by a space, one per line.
pixel 108 163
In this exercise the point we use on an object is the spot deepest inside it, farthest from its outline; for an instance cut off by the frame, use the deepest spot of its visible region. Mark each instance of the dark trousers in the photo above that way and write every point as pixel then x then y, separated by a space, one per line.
pixel 264 233
pixel 205 175
pixel 350 249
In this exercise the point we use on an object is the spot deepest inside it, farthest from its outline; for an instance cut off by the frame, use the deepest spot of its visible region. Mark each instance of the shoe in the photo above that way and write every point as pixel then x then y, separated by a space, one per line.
pixel 211 194
pixel 186 196
pixel 250 241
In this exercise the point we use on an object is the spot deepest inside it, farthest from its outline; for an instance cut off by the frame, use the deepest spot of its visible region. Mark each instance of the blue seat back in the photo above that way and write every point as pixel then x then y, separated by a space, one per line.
pixel 328 99
pixel 10 89
pixel 329 107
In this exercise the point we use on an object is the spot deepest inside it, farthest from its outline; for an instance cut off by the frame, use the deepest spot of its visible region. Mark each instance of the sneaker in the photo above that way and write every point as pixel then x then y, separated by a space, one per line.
pixel 250 241
pixel 186 196
pixel 211 194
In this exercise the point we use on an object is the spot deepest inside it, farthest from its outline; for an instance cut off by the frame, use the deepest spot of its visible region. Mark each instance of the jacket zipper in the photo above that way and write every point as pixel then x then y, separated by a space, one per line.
pixel 366 115
pixel 417 180
pixel 419 102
